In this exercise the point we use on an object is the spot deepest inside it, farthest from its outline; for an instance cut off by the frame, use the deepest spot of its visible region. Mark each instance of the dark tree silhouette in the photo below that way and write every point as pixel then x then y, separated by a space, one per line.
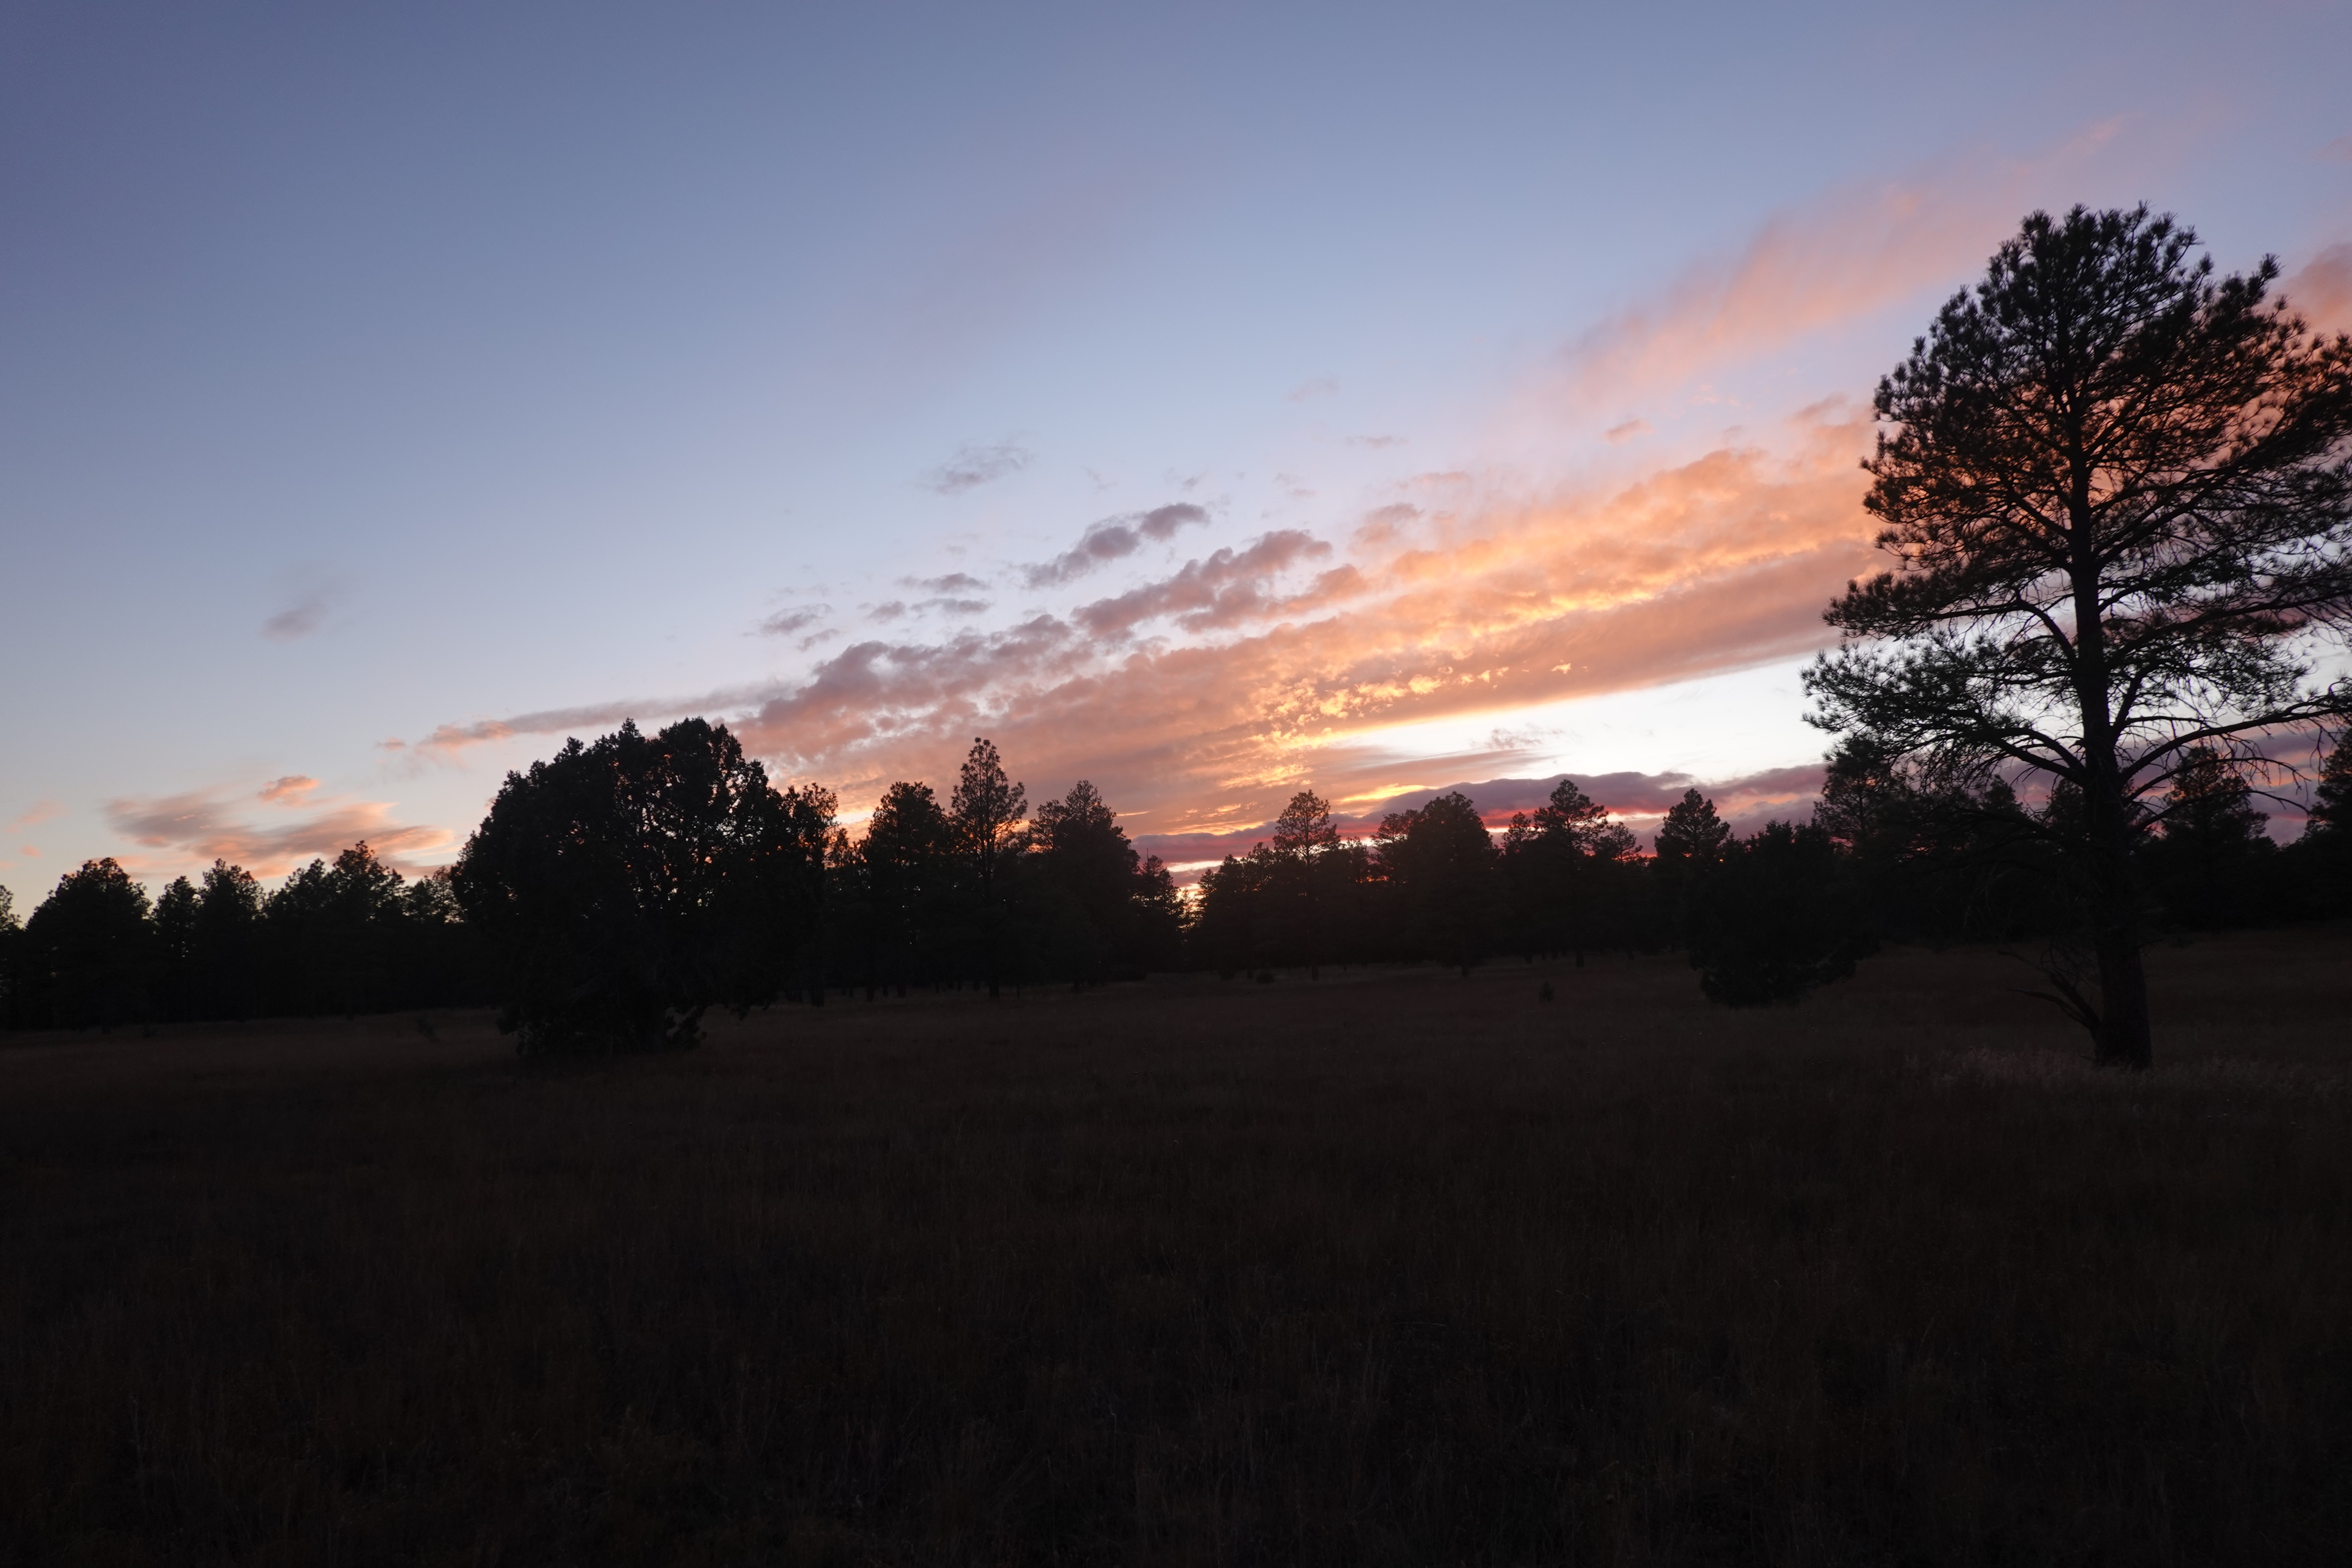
pixel 629 886
pixel 2325 850
pixel 2208 864
pixel 908 858
pixel 2119 497
pixel 1690 838
pixel 1565 869
pixel 88 947
pixel 1774 916
pixel 1106 898
pixel 12 935
pixel 1441 864
pixel 986 810
pixel 226 941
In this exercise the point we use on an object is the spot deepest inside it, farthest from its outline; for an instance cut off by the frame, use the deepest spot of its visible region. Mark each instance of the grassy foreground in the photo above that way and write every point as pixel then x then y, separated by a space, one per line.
pixel 1391 1268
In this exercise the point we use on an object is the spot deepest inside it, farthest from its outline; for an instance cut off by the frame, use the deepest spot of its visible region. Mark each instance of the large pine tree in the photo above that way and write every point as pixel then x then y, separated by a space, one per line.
pixel 2118 492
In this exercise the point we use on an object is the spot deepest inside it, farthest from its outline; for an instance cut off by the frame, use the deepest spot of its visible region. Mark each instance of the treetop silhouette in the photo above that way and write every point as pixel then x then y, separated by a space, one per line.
pixel 2118 492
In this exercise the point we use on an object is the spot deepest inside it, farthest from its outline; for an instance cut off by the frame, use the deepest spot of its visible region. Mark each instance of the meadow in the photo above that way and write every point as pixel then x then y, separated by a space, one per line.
pixel 1392 1267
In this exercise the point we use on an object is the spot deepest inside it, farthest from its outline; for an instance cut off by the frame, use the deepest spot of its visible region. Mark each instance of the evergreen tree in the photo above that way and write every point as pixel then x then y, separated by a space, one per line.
pixel 986 809
pixel 89 948
pixel 2119 494
pixel 628 887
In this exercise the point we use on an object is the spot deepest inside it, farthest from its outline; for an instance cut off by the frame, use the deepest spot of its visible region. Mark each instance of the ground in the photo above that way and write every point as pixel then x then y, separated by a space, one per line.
pixel 1388 1267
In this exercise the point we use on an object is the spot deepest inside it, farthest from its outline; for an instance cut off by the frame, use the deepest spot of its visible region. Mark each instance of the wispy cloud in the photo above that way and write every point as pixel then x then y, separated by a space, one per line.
pixel 1848 253
pixel 40 811
pixel 1318 386
pixel 1112 540
pixel 305 615
pixel 785 623
pixel 974 466
pixel 1221 589
pixel 954 582
pixel 199 826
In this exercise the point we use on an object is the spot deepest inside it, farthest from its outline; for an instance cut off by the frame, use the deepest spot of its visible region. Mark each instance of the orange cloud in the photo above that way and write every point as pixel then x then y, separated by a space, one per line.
pixel 197 826
pixel 1718 563
pixel 1851 252
pixel 2320 290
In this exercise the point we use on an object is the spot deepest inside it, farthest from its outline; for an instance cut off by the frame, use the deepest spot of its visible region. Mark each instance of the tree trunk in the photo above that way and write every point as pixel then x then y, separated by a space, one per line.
pixel 2123 1038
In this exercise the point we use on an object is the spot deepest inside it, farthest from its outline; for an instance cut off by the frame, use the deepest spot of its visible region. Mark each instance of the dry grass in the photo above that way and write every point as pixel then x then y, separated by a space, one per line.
pixel 1390 1268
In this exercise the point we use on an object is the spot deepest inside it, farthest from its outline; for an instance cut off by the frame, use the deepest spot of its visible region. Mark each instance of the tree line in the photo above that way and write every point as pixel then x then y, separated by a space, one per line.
pixel 617 891
pixel 353 936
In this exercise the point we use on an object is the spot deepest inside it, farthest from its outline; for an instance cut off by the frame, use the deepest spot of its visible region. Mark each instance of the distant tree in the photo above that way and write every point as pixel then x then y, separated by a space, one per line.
pixel 627 887
pixel 90 946
pixel 2208 864
pixel 176 909
pixel 1084 856
pixel 1690 838
pixel 1307 874
pixel 1775 916
pixel 2119 493
pixel 986 810
pixel 1565 869
pixel 2323 853
pixel 1931 863
pixel 1441 866
pixel 11 956
pixel 2331 808
pixel 907 859
pixel 225 940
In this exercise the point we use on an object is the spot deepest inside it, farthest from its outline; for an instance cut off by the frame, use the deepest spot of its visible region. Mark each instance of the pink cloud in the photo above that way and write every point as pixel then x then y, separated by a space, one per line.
pixel 2320 290
pixel 1713 563
pixel 197 826
pixel 1852 252
pixel 40 811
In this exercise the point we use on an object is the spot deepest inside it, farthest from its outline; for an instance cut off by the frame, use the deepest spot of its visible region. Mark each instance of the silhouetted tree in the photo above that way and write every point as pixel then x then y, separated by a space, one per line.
pixel 629 886
pixel 175 947
pixel 986 810
pixel 225 940
pixel 1690 838
pixel 1567 870
pixel 11 955
pixel 2208 864
pixel 2117 492
pixel 1440 864
pixel 88 947
pixel 2324 854
pixel 909 860
pixel 1775 916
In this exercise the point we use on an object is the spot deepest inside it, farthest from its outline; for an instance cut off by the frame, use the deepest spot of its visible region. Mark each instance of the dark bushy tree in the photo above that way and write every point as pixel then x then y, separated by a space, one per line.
pixel 1775 916
pixel 1567 868
pixel 2119 494
pixel 986 811
pixel 2209 865
pixel 1690 838
pixel 89 948
pixel 629 885
pixel 2324 854
pixel 911 889
pixel 1439 867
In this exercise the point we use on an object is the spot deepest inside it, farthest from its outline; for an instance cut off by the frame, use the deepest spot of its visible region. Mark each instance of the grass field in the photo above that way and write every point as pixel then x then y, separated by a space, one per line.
pixel 1389 1268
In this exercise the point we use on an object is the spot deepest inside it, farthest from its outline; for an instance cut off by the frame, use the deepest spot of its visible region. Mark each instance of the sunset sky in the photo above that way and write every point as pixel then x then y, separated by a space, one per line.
pixel 1204 400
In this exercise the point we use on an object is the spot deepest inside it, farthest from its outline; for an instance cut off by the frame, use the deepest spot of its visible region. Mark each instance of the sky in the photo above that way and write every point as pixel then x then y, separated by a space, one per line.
pixel 1209 401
